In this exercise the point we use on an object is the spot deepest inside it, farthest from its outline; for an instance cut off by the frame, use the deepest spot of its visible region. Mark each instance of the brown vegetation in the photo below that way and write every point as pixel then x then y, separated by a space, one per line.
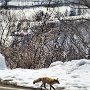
pixel 46 42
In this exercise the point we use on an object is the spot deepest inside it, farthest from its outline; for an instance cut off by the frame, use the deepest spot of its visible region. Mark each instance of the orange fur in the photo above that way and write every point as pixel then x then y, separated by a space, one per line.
pixel 47 80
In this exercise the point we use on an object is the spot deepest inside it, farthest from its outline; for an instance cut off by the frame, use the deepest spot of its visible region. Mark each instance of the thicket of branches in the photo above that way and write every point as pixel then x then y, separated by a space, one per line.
pixel 40 44
pixel 45 42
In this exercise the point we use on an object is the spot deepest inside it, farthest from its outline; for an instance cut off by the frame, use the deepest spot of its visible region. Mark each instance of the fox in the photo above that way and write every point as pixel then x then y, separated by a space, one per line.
pixel 46 80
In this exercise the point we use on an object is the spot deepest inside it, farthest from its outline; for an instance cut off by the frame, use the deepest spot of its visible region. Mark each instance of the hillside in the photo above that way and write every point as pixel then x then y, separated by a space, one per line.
pixel 36 37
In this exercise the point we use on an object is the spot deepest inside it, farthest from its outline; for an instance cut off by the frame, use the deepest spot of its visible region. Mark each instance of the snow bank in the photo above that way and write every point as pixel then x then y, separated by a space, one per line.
pixel 63 12
pixel 73 75
pixel 2 62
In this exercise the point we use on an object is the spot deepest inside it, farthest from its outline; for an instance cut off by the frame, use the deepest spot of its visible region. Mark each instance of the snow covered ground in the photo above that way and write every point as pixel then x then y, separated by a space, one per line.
pixel 73 75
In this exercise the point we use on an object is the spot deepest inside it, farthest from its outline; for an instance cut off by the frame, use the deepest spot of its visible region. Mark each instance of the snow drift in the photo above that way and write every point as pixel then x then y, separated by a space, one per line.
pixel 2 62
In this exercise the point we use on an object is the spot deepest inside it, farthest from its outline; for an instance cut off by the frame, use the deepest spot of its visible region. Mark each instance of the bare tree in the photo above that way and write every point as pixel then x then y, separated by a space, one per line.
pixel 86 3
pixel 5 4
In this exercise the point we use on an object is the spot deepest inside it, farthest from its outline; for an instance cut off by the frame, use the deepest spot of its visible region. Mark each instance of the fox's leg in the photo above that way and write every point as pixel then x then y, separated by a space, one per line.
pixel 44 85
pixel 52 87
pixel 41 86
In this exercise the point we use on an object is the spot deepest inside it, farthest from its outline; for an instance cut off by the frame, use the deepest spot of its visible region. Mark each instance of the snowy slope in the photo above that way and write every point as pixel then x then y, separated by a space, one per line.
pixel 74 75
pixel 28 14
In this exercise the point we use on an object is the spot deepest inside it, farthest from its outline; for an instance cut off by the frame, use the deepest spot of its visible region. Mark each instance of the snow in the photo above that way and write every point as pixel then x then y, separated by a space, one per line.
pixel 63 11
pixel 20 3
pixel 2 62
pixel 73 75
pixel 29 14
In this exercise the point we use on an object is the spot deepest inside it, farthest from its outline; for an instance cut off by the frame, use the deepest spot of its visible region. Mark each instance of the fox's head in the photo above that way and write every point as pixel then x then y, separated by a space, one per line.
pixel 57 81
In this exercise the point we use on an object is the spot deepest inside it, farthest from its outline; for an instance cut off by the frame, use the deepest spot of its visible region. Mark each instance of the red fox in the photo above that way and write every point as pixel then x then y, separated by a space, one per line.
pixel 47 80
